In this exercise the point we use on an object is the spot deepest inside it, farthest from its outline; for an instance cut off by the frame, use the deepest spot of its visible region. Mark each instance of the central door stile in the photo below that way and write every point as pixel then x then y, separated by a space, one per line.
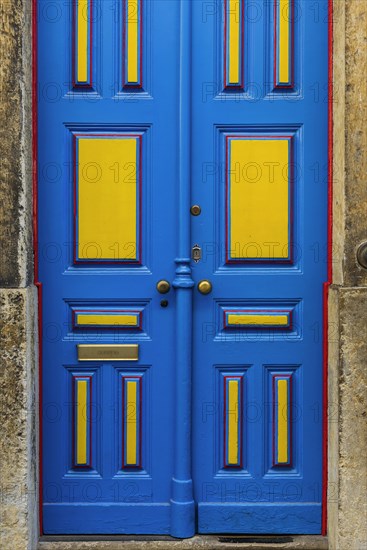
pixel 182 503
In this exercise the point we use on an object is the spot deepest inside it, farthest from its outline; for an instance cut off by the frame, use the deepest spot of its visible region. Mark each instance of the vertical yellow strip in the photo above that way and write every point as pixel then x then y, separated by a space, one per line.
pixel 284 50
pixel 81 416
pixel 234 41
pixel 83 15
pixel 131 421
pixel 132 40
pixel 233 419
pixel 282 421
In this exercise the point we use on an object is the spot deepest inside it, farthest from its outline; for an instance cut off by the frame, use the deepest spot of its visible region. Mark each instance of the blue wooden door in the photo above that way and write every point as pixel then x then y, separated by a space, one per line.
pixel 259 134
pixel 107 134
pixel 180 408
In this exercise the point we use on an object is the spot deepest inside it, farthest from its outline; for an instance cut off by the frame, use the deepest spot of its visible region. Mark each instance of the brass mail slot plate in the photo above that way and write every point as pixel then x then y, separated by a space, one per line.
pixel 108 352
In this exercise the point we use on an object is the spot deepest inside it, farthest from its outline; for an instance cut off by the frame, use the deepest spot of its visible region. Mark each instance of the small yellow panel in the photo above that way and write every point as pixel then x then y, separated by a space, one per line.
pixel 82 43
pixel 233 420
pixel 81 420
pixel 251 319
pixel 282 421
pixel 131 422
pixel 284 50
pixel 234 11
pixel 132 40
pixel 107 320
pixel 259 198
pixel 107 199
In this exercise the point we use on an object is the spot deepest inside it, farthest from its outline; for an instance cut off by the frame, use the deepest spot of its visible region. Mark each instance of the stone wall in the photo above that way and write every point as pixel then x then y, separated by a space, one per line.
pixel 347 502
pixel 18 318
pixel 347 523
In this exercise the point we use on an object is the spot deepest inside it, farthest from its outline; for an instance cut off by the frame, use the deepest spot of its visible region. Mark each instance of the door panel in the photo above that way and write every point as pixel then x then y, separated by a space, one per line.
pixel 258 134
pixel 106 159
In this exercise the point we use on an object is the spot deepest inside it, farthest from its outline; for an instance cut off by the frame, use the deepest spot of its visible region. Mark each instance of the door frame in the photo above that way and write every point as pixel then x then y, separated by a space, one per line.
pixel 181 267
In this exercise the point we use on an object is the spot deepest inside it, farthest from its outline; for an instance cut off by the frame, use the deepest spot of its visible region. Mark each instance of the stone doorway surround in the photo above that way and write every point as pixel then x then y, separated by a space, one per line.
pixel 347 342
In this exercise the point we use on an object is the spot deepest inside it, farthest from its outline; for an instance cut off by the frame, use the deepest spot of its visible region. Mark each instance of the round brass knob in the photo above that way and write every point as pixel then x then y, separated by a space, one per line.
pixel 163 286
pixel 195 210
pixel 205 287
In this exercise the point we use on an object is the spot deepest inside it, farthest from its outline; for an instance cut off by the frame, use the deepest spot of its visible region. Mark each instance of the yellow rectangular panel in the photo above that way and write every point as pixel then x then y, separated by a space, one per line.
pixel 131 422
pixel 233 421
pixel 107 320
pixel 108 352
pixel 284 49
pixel 82 42
pixel 251 319
pixel 234 11
pixel 132 40
pixel 282 421
pixel 81 421
pixel 259 198
pixel 107 199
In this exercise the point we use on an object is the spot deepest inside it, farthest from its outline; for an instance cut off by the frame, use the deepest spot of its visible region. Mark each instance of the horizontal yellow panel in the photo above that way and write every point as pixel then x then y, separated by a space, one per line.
pixel 253 319
pixel 282 421
pixel 284 50
pixel 107 320
pixel 107 198
pixel 259 198
pixel 82 44
pixel 108 352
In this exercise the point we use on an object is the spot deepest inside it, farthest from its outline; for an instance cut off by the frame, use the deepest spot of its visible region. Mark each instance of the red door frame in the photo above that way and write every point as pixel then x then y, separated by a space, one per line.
pixel 327 284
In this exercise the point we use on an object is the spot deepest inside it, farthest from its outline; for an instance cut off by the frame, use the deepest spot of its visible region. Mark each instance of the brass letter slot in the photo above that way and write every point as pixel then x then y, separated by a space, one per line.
pixel 108 352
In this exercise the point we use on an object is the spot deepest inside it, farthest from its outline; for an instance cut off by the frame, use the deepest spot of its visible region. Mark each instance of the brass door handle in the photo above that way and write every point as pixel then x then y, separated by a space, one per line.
pixel 163 286
pixel 205 287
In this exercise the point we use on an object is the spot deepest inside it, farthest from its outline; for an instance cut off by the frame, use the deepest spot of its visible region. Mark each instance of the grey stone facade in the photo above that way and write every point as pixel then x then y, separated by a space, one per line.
pixel 347 498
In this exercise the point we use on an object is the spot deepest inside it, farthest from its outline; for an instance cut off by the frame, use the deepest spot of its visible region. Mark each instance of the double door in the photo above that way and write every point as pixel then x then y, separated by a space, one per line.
pixel 182 233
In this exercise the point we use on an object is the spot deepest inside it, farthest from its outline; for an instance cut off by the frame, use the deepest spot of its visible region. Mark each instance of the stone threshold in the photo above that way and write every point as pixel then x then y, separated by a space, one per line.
pixel 210 542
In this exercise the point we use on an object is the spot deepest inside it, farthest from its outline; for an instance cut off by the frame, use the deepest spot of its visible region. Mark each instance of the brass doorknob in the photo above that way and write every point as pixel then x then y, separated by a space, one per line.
pixel 163 286
pixel 205 287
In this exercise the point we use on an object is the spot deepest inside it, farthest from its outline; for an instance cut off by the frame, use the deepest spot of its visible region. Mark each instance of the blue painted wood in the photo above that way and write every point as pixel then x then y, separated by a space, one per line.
pixel 259 497
pixel 107 498
pixel 182 503
pixel 183 114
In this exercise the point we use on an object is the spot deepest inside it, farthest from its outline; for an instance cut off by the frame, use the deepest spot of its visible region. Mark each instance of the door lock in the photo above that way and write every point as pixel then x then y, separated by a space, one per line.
pixel 196 253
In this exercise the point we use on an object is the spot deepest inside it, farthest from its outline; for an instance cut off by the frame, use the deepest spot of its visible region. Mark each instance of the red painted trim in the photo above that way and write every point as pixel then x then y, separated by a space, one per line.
pixel 329 273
